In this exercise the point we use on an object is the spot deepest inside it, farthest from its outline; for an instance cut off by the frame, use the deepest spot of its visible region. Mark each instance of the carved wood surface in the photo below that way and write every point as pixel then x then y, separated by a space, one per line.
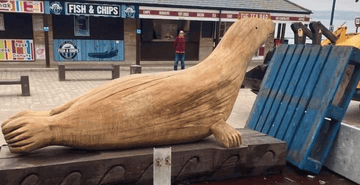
pixel 204 160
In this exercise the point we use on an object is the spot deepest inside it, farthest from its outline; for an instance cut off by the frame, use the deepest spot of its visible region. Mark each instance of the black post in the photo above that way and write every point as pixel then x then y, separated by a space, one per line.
pixel 46 34
pixel 218 30
pixel 138 42
pixel 283 33
pixel 332 16
pixel 25 85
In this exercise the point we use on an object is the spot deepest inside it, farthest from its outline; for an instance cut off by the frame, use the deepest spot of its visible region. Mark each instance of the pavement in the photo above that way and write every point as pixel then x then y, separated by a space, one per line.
pixel 48 92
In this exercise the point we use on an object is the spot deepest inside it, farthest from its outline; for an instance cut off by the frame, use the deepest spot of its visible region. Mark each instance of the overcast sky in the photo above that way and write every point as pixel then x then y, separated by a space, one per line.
pixel 344 5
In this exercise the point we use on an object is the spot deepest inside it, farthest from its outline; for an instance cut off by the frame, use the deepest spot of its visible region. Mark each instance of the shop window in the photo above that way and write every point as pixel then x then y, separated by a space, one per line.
pixel 207 29
pixel 17 26
pixel 99 28
pixel 167 30
pixel 224 27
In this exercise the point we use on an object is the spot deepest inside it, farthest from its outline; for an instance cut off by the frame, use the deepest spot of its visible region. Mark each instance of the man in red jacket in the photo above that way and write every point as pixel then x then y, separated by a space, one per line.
pixel 179 44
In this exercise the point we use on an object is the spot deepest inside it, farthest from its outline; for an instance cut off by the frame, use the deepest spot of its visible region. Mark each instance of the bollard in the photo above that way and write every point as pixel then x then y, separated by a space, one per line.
pixel 162 166
pixel 135 69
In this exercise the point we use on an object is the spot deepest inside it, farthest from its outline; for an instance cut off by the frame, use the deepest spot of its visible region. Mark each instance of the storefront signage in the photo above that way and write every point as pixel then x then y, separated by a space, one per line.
pixel 88 50
pixel 147 12
pixel 89 9
pixel 22 6
pixel 68 50
pixel 16 50
pixel 92 9
pixel 254 15
pixel 40 53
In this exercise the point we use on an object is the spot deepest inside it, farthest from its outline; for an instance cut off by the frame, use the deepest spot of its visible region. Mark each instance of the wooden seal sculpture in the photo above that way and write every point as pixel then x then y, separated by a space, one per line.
pixel 150 109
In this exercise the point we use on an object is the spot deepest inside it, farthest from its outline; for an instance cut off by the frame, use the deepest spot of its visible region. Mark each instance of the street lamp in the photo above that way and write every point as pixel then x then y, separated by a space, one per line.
pixel 332 16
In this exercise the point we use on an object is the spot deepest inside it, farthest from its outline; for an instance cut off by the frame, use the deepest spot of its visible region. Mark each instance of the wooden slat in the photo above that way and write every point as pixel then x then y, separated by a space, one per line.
pixel 270 79
pixel 294 82
pixel 283 88
pixel 298 92
pixel 9 82
pixel 306 94
pixel 275 88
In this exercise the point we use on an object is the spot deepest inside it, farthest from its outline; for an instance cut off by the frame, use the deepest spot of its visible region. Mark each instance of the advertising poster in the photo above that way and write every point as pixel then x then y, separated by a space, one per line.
pixel 40 53
pixel 21 6
pixel 16 50
pixel 81 26
pixel 88 50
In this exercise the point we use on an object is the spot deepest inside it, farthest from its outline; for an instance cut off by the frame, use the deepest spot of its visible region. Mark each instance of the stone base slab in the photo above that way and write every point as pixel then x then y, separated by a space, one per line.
pixel 199 161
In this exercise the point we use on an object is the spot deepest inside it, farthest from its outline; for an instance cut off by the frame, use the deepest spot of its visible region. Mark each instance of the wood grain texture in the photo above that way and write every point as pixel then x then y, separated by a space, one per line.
pixel 150 109
pixel 198 161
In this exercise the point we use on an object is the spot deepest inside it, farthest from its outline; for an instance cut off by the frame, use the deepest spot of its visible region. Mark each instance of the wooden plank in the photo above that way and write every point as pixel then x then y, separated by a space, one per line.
pixel 199 161
pixel 298 92
pixel 9 82
pixel 293 84
pixel 275 88
pixel 305 95
pixel 283 88
pixel 270 77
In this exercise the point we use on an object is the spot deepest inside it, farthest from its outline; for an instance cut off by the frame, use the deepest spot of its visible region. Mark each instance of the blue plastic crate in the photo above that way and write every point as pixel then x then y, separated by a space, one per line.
pixel 303 98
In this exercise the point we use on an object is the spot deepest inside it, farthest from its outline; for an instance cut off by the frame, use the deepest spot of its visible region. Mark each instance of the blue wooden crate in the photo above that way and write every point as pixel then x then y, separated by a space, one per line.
pixel 303 98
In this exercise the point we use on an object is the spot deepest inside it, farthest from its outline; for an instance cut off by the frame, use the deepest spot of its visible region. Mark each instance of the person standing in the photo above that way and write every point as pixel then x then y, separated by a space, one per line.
pixel 179 44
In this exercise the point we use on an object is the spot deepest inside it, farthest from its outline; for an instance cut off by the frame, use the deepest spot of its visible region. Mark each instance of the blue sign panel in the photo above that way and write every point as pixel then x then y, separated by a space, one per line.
pixel 88 50
pixel 130 11
pixel 91 9
pixel 55 8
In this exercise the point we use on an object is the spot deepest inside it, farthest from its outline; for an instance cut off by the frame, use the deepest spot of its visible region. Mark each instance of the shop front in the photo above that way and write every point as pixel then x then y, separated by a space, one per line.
pixel 91 32
pixel 202 28
pixel 17 33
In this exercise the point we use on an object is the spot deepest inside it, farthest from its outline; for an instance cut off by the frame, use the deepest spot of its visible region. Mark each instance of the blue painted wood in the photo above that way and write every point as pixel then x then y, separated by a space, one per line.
pixel 295 101
pixel 305 95
pixel 278 100
pixel 266 87
pixel 293 84
pixel 92 50
pixel 275 88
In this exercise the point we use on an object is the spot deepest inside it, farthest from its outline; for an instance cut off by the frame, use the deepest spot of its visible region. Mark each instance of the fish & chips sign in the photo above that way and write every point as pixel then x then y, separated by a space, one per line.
pixel 74 8
pixel 93 9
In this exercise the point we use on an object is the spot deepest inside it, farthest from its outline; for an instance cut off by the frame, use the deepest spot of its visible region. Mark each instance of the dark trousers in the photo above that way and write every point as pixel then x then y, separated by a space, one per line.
pixel 179 56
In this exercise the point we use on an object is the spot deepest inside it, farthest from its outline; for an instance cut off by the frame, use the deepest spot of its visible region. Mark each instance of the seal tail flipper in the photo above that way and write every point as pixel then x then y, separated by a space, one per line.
pixel 226 134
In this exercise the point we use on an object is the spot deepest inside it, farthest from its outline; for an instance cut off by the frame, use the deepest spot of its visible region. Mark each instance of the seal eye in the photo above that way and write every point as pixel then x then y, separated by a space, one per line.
pixel 256 27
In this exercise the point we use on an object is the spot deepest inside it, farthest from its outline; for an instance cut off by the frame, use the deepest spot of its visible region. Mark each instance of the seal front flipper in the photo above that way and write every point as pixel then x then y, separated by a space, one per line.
pixel 226 134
